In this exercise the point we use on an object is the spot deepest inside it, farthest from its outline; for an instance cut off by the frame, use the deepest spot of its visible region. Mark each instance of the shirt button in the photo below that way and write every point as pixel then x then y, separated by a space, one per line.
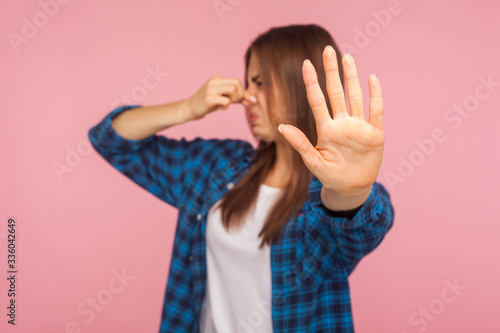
pixel 191 258
pixel 230 185
pixel 198 217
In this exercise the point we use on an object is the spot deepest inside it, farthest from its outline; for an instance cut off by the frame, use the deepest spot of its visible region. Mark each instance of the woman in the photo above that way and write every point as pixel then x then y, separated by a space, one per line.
pixel 266 238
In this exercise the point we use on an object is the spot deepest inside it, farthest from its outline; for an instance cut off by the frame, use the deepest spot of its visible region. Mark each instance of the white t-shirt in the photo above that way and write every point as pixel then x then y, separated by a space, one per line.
pixel 238 293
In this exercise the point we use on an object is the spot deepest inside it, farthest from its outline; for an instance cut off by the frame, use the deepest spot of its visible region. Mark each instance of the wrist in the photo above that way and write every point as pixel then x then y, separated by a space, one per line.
pixel 188 110
pixel 339 201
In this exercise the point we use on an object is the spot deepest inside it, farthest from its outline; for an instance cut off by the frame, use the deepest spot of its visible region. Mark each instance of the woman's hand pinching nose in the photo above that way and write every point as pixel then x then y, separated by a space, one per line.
pixel 248 100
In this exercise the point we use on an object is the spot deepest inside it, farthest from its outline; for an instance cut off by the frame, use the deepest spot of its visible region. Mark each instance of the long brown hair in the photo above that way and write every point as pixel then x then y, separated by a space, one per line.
pixel 281 52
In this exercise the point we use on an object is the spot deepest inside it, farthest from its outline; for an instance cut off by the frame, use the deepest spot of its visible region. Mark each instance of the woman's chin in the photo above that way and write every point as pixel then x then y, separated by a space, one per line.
pixel 258 134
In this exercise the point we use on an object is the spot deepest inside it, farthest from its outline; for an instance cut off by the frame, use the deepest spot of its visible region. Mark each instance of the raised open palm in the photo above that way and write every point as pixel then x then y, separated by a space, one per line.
pixel 348 153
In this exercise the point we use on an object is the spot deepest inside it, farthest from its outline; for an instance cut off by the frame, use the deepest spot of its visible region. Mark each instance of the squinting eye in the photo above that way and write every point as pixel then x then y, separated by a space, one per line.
pixel 259 83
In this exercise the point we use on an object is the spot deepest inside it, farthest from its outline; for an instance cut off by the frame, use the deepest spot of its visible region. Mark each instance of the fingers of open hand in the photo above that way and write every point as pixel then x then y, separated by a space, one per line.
pixel 354 93
pixel 333 83
pixel 376 102
pixel 314 94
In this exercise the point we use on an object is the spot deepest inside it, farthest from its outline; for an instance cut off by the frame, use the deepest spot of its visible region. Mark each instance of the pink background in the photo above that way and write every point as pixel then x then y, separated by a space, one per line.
pixel 76 228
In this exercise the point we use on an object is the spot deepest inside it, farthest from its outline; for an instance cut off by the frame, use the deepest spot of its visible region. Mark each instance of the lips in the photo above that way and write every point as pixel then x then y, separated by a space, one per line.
pixel 252 117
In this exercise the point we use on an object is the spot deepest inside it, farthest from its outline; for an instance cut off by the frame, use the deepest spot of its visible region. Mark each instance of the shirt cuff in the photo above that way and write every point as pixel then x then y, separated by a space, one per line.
pixel 104 137
pixel 350 213
pixel 354 218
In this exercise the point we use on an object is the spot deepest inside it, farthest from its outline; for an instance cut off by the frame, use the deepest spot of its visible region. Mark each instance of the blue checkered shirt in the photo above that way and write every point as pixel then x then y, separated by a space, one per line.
pixel 311 261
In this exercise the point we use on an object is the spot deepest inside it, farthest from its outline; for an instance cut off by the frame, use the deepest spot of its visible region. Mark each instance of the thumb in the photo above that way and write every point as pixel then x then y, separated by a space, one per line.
pixel 248 99
pixel 298 140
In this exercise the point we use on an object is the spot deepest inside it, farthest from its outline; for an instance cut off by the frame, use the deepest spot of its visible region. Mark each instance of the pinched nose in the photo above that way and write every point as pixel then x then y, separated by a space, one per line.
pixel 248 101
pixel 249 96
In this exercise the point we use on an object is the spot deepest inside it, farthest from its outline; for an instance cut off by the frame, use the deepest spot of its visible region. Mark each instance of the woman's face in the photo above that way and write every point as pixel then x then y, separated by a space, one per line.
pixel 257 113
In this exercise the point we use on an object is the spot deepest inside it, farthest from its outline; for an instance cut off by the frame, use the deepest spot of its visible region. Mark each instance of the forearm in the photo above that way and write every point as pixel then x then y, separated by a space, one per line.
pixel 142 122
pixel 336 201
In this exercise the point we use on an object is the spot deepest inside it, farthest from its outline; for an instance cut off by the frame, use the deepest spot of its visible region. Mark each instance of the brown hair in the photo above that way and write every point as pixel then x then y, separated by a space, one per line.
pixel 281 52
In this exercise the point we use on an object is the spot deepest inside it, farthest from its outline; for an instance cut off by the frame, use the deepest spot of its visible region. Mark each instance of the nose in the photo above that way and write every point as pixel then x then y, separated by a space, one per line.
pixel 251 90
pixel 252 97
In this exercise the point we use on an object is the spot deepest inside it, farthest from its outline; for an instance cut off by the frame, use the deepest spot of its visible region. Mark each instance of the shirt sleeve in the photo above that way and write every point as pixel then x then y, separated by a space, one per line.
pixel 360 234
pixel 156 163
pixel 350 213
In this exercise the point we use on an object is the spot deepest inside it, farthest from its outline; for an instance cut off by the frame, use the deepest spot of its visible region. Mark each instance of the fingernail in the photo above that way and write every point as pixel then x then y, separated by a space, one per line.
pixel 279 127
pixel 347 57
